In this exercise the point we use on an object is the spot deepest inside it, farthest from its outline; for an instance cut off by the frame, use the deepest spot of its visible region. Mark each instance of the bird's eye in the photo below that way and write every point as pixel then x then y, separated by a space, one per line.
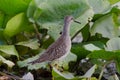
pixel 60 32
pixel 71 18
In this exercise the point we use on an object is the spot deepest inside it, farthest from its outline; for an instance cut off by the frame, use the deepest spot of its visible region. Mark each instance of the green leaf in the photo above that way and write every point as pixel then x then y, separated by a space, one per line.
pixel 17 24
pixel 8 50
pixel 113 44
pixel 100 6
pixel 113 1
pixel 105 26
pixel 31 13
pixel 106 55
pixel 85 32
pixel 102 54
pixel 57 75
pixel 52 13
pixel 116 11
pixel 14 6
pixel 2 16
pixel 9 63
pixel 33 44
pixel 79 50
pixel 94 45
pixel 117 61
pixel 2 40
pixel 91 47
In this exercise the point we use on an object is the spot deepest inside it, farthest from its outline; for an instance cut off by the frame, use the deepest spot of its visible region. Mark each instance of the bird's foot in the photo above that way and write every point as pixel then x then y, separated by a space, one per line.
pixel 61 69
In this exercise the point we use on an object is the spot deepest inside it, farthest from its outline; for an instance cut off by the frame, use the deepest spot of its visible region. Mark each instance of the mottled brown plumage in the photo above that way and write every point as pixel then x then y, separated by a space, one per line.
pixel 60 48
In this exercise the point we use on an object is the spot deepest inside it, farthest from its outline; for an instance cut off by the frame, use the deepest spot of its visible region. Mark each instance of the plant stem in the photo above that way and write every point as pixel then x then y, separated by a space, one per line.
pixel 37 32
pixel 102 71
pixel 75 34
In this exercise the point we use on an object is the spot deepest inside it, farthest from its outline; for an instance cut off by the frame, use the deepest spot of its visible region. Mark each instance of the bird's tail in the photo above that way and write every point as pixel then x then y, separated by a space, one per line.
pixel 39 60
pixel 35 61
pixel 32 62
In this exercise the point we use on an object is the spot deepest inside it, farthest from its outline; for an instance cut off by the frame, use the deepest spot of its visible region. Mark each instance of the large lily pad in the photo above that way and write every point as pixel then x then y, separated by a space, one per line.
pixel 100 6
pixel 50 14
pixel 106 26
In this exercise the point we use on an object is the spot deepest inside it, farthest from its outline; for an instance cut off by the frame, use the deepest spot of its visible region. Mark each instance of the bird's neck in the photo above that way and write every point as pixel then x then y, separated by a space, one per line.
pixel 66 29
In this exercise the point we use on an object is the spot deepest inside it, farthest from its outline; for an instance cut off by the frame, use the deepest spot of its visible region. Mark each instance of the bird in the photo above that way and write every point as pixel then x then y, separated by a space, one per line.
pixel 61 47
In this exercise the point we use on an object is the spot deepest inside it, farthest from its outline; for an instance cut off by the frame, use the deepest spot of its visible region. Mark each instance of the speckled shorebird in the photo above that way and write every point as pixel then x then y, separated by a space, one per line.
pixel 61 47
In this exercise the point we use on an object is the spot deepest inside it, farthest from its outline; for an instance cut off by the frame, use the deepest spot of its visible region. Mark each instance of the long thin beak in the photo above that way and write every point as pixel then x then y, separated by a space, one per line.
pixel 77 21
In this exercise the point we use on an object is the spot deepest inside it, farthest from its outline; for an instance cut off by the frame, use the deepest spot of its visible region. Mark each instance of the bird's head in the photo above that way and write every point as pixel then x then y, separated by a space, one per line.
pixel 68 19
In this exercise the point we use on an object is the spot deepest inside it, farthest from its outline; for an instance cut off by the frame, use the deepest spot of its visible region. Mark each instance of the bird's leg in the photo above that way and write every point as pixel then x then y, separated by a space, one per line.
pixel 60 68
pixel 50 66
pixel 56 66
